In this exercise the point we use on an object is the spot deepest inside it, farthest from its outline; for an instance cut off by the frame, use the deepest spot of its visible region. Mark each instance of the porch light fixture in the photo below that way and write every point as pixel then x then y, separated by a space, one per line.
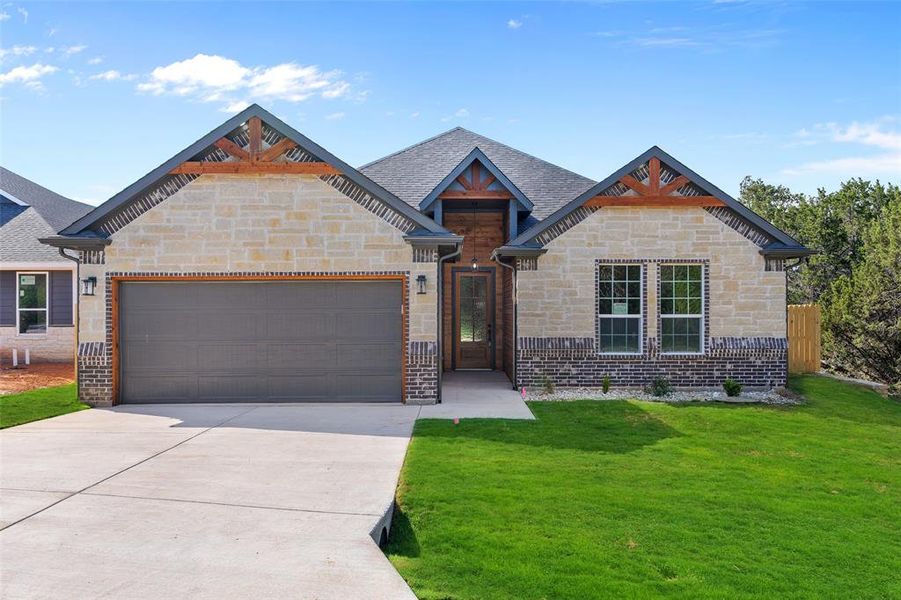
pixel 88 285
pixel 420 284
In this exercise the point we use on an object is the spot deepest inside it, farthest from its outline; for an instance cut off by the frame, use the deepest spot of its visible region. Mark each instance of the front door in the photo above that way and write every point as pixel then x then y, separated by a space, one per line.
pixel 474 319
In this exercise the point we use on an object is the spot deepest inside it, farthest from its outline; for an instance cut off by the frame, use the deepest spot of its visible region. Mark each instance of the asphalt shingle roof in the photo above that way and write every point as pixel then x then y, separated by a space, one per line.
pixel 57 210
pixel 20 226
pixel 412 173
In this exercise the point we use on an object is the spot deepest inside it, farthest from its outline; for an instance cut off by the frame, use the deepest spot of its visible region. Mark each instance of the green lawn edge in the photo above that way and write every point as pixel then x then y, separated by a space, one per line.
pixel 34 405
pixel 634 499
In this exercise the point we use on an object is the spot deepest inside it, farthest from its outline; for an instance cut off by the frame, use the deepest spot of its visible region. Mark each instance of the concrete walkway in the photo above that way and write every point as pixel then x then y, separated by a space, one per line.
pixel 202 501
pixel 215 501
pixel 477 394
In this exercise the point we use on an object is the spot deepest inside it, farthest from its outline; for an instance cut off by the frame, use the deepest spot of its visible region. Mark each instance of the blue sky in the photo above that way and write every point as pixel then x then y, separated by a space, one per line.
pixel 94 95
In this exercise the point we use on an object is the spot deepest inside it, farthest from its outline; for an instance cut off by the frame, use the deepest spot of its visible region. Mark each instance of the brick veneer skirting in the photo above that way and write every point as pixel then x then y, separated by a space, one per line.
pixel 573 362
pixel 95 359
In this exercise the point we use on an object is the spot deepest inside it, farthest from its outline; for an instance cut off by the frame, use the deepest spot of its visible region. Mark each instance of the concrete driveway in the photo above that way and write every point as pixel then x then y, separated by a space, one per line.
pixel 202 501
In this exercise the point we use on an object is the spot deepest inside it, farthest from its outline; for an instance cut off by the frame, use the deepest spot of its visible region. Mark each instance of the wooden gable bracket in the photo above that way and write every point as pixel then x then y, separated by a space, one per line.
pixel 653 195
pixel 476 188
pixel 254 159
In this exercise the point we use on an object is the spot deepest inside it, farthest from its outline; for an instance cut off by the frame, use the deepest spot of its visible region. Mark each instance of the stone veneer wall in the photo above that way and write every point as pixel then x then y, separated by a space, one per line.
pixel 745 304
pixel 258 224
pixel 57 345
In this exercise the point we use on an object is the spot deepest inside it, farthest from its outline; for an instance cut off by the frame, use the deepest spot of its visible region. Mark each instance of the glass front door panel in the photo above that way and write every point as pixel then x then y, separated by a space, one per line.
pixel 473 309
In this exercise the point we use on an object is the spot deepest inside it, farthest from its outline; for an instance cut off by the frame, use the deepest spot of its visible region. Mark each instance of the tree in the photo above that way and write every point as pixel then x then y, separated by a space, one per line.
pixel 863 317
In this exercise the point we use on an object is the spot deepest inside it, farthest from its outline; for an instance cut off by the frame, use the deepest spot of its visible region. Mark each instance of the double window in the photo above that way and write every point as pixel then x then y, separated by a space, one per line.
pixel 619 309
pixel 31 303
pixel 681 308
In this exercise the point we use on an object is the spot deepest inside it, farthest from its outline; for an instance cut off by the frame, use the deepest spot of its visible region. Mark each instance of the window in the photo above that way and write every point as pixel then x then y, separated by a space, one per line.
pixel 31 303
pixel 619 309
pixel 681 308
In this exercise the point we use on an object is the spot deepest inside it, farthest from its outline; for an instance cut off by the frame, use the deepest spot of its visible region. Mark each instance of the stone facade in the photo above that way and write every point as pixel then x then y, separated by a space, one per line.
pixel 258 224
pixel 57 345
pixel 745 304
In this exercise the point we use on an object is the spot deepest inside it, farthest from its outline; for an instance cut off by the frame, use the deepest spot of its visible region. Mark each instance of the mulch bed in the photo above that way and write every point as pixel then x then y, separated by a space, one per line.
pixel 34 376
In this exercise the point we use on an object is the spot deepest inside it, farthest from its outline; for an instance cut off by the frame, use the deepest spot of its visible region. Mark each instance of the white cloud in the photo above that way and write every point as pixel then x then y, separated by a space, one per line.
pixel 52 31
pixel 212 78
pixel 29 76
pixel 335 116
pixel 71 50
pixel 414 115
pixel 96 60
pixel 235 107
pixel 462 113
pixel 17 51
pixel 883 134
pixel 514 24
pixel 24 14
pixel 4 16
pixel 112 75
pixel 885 164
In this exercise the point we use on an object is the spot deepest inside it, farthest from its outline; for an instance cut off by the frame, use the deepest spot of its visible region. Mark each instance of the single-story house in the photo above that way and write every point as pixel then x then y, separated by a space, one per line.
pixel 255 265
pixel 37 284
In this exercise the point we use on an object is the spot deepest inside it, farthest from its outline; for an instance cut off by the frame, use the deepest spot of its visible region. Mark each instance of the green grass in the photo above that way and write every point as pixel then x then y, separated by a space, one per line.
pixel 35 405
pixel 635 500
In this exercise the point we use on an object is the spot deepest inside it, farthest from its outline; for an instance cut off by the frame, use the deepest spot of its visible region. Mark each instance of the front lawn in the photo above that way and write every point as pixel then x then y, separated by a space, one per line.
pixel 16 409
pixel 637 499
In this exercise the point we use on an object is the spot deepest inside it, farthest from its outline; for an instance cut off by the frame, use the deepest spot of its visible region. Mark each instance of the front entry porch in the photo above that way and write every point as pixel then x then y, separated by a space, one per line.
pixel 479 395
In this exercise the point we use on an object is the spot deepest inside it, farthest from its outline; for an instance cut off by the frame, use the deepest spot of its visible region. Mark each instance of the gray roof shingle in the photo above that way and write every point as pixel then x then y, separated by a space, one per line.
pixel 412 173
pixel 45 212
pixel 57 210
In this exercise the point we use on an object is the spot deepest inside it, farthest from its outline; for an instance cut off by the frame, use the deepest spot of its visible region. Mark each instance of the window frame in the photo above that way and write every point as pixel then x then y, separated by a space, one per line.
pixel 641 307
pixel 46 308
pixel 702 330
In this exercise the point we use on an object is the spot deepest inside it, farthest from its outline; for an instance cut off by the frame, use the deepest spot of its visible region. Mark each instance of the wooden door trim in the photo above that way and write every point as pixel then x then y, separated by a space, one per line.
pixel 116 280
pixel 455 337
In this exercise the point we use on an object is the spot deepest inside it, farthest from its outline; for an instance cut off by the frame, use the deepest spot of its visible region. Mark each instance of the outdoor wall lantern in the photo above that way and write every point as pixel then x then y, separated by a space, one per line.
pixel 420 284
pixel 88 285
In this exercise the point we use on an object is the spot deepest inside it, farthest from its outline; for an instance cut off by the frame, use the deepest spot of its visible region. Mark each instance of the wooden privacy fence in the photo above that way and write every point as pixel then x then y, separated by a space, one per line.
pixel 804 351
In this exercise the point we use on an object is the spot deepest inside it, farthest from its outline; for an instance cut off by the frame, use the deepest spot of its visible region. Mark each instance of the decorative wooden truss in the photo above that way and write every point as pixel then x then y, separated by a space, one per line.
pixel 477 187
pixel 652 192
pixel 254 158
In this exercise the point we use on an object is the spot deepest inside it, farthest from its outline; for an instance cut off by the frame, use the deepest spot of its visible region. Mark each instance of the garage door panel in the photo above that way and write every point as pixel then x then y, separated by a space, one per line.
pixel 225 357
pixel 260 341
pixel 229 324
pixel 367 325
pixel 301 356
pixel 160 355
pixel 307 296
pixel 362 387
pixel 153 389
pixel 368 294
pixel 299 388
pixel 372 357
pixel 231 388
pixel 158 323
pixel 313 326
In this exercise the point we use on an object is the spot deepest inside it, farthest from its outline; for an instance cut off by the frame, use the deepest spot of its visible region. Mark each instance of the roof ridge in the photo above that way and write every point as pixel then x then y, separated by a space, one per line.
pixel 532 156
pixel 410 147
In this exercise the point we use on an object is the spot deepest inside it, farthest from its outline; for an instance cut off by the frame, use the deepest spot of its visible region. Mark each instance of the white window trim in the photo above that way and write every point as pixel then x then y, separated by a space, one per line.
pixel 703 329
pixel 639 316
pixel 46 308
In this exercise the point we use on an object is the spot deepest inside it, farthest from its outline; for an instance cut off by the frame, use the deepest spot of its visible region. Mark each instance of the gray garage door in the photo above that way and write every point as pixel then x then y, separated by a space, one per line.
pixel 280 341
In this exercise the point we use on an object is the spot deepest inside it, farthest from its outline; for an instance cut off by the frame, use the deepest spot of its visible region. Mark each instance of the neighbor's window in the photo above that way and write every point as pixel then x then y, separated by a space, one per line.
pixel 681 308
pixel 619 309
pixel 32 302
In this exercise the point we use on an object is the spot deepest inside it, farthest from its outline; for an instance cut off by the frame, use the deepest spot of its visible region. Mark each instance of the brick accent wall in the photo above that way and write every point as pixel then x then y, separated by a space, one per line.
pixel 422 373
pixel 95 376
pixel 574 362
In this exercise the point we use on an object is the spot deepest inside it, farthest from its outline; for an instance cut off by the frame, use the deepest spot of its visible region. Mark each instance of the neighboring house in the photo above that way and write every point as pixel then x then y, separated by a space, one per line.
pixel 37 285
pixel 256 266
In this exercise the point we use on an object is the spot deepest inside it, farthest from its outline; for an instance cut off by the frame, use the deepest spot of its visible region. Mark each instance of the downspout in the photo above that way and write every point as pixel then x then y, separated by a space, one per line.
pixel 497 259
pixel 77 292
pixel 441 260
